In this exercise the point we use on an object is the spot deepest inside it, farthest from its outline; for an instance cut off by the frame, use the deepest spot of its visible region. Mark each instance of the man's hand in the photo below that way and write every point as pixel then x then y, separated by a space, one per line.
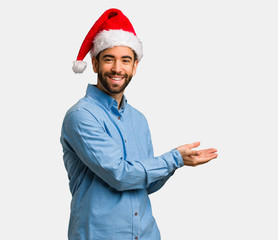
pixel 194 158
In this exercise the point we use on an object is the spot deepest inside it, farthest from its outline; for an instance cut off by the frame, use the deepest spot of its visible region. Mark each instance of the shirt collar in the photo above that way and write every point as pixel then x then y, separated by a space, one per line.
pixel 104 99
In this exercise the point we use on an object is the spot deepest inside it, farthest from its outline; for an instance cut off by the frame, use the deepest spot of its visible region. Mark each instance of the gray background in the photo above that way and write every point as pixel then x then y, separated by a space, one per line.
pixel 208 74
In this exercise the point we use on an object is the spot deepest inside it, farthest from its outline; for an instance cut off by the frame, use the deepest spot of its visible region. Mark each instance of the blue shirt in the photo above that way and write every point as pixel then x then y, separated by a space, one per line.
pixel 111 167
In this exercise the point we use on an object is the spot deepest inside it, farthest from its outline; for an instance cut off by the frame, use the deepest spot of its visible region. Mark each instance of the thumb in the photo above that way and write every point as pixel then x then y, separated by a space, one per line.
pixel 193 145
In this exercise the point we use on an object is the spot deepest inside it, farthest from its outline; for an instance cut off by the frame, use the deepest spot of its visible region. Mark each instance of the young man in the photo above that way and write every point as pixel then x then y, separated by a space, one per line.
pixel 107 146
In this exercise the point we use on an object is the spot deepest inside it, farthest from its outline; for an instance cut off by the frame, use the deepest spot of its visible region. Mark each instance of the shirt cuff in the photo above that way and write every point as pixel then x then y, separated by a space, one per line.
pixel 173 159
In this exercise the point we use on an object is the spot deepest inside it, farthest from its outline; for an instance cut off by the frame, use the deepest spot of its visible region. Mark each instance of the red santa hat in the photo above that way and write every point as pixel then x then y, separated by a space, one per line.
pixel 112 29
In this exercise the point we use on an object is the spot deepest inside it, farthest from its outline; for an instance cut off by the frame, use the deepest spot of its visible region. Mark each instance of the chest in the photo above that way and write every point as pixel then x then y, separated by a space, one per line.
pixel 129 134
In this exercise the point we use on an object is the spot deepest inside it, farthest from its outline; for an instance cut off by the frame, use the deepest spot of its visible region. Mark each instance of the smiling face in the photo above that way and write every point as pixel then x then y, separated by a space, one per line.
pixel 115 68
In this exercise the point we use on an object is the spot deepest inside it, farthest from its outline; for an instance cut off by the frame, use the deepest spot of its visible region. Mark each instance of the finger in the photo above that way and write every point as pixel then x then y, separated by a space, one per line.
pixel 193 145
pixel 207 151
pixel 197 162
pixel 207 157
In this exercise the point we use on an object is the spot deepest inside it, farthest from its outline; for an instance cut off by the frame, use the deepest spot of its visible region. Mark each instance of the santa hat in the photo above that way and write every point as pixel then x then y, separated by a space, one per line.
pixel 112 29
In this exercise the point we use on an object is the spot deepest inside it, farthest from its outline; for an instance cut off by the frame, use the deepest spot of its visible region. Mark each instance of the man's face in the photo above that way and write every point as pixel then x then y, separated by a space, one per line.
pixel 115 68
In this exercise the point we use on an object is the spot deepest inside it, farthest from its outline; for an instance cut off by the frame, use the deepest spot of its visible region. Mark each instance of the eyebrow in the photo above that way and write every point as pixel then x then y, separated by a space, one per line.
pixel 127 57
pixel 107 55
pixel 111 56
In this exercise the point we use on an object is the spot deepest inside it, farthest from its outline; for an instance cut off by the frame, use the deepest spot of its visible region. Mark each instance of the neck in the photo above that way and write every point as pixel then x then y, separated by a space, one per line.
pixel 117 96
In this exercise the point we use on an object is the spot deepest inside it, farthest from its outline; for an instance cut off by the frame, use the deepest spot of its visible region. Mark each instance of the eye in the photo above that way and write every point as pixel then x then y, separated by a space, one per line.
pixel 126 60
pixel 108 60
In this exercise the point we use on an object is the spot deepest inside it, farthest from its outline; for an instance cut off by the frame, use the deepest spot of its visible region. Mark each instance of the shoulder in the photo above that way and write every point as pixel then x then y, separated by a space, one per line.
pixel 135 112
pixel 84 109
pixel 136 115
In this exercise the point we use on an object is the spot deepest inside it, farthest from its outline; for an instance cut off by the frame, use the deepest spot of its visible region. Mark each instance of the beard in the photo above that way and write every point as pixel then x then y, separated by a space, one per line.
pixel 110 87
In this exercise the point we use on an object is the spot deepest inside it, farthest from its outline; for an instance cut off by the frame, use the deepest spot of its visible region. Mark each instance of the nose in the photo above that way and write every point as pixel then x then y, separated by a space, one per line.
pixel 117 66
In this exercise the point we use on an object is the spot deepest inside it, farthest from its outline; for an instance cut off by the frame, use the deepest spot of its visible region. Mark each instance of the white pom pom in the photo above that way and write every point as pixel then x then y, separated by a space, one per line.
pixel 79 66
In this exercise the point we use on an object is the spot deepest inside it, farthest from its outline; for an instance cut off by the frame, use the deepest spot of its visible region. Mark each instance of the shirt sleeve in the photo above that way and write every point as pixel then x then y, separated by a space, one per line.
pixel 101 154
pixel 155 186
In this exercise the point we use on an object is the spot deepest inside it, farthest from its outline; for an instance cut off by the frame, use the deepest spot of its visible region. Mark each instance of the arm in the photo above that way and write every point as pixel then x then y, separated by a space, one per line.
pixel 190 158
pixel 101 154
pixel 155 186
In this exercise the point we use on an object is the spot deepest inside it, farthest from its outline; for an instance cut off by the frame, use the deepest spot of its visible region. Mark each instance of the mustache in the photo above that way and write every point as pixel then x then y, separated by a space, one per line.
pixel 115 74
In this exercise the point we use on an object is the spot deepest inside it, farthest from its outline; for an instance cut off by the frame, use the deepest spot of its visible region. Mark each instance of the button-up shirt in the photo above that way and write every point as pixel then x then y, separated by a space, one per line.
pixel 108 155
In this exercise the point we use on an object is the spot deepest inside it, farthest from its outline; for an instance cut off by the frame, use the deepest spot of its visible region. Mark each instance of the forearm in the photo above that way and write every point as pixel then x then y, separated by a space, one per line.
pixel 129 175
pixel 155 186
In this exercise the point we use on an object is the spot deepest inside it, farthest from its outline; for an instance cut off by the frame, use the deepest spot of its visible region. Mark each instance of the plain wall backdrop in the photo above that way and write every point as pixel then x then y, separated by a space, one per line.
pixel 208 74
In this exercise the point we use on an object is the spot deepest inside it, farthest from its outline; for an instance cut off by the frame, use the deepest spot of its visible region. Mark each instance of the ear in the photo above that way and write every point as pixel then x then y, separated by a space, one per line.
pixel 95 64
pixel 134 67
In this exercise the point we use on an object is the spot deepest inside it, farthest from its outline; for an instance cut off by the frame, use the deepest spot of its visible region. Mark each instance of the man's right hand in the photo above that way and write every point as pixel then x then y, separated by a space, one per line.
pixel 194 158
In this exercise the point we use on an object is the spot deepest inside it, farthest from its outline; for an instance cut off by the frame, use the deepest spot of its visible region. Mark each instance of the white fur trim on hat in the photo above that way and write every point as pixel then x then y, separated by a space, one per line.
pixel 79 66
pixel 111 38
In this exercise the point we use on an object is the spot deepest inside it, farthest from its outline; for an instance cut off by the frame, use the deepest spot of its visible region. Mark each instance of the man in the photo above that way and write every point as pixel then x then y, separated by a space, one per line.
pixel 107 146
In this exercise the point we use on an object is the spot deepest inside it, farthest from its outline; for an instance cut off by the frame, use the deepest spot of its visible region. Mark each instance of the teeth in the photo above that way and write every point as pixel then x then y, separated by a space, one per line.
pixel 117 79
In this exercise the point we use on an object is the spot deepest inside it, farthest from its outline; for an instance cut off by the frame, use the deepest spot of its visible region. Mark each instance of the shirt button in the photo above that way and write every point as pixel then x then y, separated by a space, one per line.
pixel 119 118
pixel 136 237
pixel 125 140
pixel 136 214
